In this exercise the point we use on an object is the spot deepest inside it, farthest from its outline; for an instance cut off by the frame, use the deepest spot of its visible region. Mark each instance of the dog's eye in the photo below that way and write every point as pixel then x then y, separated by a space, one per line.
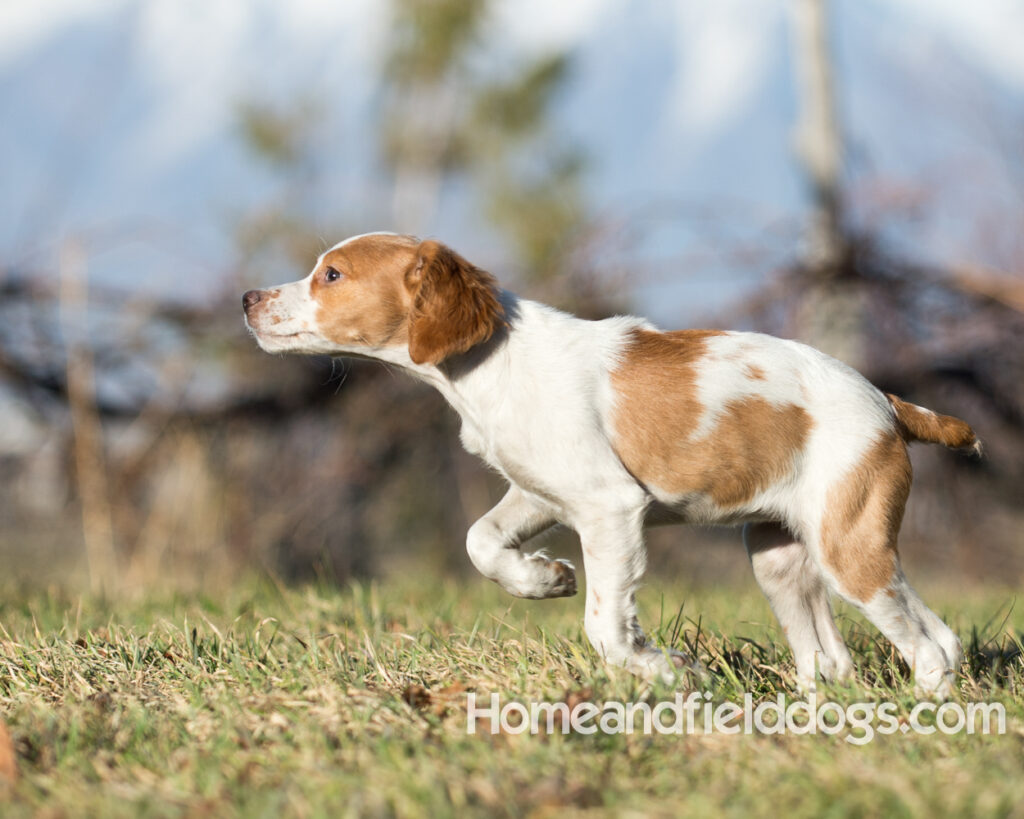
pixel 332 275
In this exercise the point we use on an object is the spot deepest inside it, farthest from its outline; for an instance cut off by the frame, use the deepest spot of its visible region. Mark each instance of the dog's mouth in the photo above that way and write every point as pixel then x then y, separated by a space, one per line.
pixel 297 341
pixel 261 332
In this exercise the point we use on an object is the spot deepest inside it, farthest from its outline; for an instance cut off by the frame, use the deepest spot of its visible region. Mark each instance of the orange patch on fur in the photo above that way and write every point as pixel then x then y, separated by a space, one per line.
pixel 751 446
pixel 395 290
pixel 918 424
pixel 369 305
pixel 862 519
pixel 456 305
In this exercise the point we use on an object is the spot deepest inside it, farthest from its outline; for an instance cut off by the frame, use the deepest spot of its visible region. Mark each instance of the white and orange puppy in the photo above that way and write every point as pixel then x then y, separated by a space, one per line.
pixel 607 425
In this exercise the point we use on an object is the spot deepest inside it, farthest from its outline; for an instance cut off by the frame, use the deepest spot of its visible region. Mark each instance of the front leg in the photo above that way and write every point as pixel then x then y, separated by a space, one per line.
pixel 615 558
pixel 493 545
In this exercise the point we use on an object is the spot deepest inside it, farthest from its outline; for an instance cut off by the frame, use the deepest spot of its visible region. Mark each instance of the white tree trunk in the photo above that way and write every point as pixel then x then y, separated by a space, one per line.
pixel 831 313
pixel 818 143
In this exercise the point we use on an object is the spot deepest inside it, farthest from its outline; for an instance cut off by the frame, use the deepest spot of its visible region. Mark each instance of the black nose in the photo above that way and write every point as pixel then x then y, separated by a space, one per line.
pixel 250 298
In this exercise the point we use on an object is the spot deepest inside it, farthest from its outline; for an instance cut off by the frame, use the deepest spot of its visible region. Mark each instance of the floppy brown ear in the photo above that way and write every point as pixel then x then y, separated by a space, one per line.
pixel 455 306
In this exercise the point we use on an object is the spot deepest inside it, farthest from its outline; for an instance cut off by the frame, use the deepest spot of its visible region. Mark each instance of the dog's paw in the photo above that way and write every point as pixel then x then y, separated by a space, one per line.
pixel 671 667
pixel 564 578
pixel 548 577
pixel 937 686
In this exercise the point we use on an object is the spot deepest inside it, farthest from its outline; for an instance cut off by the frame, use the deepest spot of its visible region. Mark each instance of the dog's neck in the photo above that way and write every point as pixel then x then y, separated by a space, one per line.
pixel 471 378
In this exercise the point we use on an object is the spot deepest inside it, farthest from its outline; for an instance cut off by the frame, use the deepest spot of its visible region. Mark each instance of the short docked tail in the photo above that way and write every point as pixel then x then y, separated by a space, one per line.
pixel 919 424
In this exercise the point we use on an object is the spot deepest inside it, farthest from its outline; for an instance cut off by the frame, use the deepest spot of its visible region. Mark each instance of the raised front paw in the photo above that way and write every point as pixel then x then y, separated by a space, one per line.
pixel 547 577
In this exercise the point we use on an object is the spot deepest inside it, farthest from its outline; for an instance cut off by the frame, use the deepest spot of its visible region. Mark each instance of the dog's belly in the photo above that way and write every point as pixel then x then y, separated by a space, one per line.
pixel 700 510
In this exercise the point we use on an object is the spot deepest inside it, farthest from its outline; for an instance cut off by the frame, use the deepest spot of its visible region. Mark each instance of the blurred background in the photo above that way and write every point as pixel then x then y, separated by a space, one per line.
pixel 847 173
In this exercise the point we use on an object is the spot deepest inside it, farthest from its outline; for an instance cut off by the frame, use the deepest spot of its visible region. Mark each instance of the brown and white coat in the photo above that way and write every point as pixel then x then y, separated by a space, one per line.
pixel 606 426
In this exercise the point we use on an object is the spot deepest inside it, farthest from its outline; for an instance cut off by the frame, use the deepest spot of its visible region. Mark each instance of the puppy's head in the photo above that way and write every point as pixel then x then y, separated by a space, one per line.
pixel 376 295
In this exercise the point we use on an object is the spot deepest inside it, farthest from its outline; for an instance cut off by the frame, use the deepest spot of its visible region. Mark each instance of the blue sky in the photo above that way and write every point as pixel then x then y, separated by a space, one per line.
pixel 120 127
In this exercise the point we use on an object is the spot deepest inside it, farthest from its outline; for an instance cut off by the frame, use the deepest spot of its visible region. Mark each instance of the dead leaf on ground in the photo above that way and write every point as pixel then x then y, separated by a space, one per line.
pixel 417 696
pixel 434 702
pixel 8 757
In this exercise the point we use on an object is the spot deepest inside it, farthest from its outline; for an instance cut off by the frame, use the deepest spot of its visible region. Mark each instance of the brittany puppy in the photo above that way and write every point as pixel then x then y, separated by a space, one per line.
pixel 606 426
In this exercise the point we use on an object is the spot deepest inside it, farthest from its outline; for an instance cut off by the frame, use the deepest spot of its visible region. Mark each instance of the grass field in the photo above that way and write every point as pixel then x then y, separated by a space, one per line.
pixel 264 701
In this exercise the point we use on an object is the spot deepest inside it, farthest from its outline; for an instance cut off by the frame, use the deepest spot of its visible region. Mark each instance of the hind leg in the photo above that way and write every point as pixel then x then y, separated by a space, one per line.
pixel 796 591
pixel 927 644
pixel 858 556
